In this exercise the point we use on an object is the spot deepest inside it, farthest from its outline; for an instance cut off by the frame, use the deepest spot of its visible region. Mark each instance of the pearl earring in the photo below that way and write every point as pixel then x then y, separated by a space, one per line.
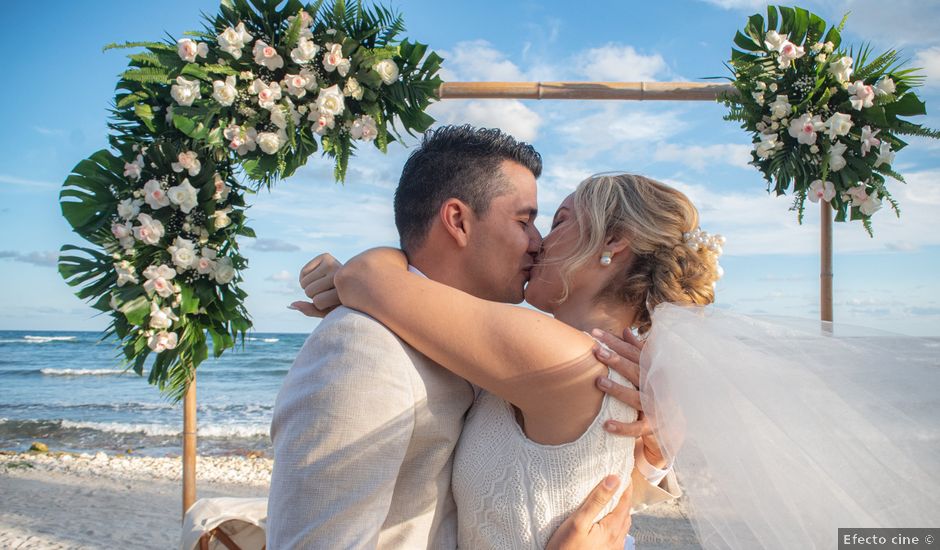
pixel 606 258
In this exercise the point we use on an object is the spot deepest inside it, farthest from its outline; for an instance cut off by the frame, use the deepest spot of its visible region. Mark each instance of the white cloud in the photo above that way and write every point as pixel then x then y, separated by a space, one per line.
pixel 42 259
pixel 274 245
pixel 281 276
pixel 509 115
pixel 738 4
pixel 699 157
pixel 49 131
pixel 15 180
pixel 478 60
pixel 929 61
pixel 620 63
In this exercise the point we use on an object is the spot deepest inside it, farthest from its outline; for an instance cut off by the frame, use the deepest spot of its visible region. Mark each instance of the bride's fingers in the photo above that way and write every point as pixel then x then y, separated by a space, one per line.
pixel 628 429
pixel 626 349
pixel 308 309
pixel 631 339
pixel 627 368
pixel 620 392
pixel 595 502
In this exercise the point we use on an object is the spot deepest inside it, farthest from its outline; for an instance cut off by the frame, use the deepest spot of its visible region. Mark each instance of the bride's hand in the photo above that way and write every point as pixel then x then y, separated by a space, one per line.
pixel 579 531
pixel 624 357
pixel 316 279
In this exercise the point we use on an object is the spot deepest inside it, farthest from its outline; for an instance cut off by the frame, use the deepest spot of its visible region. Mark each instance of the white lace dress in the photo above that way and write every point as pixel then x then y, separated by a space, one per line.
pixel 513 493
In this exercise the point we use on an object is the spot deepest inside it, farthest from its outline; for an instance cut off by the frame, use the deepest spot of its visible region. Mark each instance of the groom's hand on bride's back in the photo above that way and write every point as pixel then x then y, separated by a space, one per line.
pixel 316 280
pixel 580 532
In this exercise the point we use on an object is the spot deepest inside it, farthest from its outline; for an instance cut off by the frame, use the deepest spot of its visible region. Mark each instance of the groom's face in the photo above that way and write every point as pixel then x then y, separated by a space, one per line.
pixel 503 246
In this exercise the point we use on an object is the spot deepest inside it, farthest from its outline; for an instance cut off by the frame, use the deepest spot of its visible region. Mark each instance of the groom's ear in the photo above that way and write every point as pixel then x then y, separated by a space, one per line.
pixel 456 216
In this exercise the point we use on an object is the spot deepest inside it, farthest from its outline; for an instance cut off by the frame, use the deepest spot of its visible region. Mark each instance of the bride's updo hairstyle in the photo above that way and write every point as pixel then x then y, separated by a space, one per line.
pixel 656 220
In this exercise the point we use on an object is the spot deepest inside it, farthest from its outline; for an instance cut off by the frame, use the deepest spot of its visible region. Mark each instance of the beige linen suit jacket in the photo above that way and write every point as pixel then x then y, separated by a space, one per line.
pixel 364 431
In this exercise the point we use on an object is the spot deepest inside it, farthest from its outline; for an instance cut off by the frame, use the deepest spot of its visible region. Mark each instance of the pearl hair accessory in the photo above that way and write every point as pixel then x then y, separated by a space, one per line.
pixel 701 239
pixel 606 258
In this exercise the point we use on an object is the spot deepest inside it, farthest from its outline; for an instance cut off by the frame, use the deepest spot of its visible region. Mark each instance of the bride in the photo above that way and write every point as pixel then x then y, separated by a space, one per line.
pixel 779 433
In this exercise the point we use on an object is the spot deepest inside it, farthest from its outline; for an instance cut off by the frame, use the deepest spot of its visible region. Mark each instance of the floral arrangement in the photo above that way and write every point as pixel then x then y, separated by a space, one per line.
pixel 824 120
pixel 249 98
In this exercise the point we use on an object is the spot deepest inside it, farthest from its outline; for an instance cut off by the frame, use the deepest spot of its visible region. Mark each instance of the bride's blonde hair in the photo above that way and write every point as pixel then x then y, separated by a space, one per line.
pixel 653 217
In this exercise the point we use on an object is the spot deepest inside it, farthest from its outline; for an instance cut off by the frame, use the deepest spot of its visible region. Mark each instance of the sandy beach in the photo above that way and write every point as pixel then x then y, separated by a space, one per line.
pixel 85 501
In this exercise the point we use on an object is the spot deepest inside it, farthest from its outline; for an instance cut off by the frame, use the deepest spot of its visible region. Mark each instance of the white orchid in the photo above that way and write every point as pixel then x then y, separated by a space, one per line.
pixel 205 264
pixel 188 49
pixel 788 53
pixel 885 154
pixel 158 280
pixel 125 272
pixel 838 124
pixel 225 92
pixel 821 190
pixel 124 233
pixel 388 70
pixel 184 195
pixel 132 169
pixel 321 121
pixel 863 95
pixel 128 208
pixel 268 94
pixel 233 40
pixel 241 139
pixel 161 318
pixel 836 160
pixel 298 84
pixel 185 91
pixel 222 189
pixel 187 161
pixel 805 127
pixel 150 231
pixel 773 40
pixel 333 59
pixel 841 68
pixel 162 341
pixel 869 140
pixel 154 195
pixel 870 205
pixel 364 128
pixel 182 253
pixel 305 51
pixel 767 145
pixel 267 56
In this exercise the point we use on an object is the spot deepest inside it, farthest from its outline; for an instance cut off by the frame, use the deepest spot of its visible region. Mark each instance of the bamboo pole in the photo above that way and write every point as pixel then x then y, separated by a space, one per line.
pixel 189 446
pixel 825 262
pixel 635 91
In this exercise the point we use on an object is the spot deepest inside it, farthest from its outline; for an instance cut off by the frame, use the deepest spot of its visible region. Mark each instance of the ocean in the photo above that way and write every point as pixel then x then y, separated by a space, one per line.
pixel 68 390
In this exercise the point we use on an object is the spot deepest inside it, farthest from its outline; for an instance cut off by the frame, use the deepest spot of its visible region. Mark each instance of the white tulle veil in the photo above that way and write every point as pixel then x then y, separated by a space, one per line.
pixel 783 430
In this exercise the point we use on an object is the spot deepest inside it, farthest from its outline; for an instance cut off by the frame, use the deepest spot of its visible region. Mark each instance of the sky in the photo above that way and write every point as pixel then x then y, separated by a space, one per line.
pixel 59 85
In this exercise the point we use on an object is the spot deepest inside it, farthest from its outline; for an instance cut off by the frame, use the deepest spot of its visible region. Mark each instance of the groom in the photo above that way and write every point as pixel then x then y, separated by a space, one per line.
pixel 364 426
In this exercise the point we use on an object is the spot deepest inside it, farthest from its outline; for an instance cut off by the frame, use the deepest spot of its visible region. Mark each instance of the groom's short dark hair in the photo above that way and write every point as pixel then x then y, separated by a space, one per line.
pixel 459 162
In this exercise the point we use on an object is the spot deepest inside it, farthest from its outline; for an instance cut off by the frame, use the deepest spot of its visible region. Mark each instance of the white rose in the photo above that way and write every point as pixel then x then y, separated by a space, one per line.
pixel 221 219
pixel 388 70
pixel 352 89
pixel 184 195
pixel 305 51
pixel 185 91
pixel 885 86
pixel 841 68
pixel 183 253
pixel 150 231
pixel 270 142
pixel 224 271
pixel 821 190
pixel 280 113
pixel 333 59
pixel 330 100
pixel 188 49
pixel 297 84
pixel 187 161
pixel 122 230
pixel 162 341
pixel 128 208
pixel 268 94
pixel 233 40
pixel 240 139
pixel 205 265
pixel 863 95
pixel 161 318
pixel 780 108
pixel 267 56
pixel 158 280
pixel 836 160
pixel 322 122
pixel 364 128
pixel 222 189
pixel 838 124
pixel 224 92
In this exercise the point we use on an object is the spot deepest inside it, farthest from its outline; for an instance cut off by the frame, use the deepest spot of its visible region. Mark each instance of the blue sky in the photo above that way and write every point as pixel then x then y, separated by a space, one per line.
pixel 59 84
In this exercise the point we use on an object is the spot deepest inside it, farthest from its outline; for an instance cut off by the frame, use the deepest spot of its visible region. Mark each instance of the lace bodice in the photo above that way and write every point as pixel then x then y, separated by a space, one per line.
pixel 513 493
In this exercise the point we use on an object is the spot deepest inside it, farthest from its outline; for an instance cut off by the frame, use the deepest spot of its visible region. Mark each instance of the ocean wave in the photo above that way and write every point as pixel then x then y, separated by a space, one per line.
pixel 266 340
pixel 46 339
pixel 83 372
pixel 162 430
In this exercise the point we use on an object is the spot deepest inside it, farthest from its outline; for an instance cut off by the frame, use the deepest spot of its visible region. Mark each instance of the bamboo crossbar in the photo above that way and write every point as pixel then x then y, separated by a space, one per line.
pixel 636 91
